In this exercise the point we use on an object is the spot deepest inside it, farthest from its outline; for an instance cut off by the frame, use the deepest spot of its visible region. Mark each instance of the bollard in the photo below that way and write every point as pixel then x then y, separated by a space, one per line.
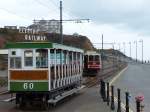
pixel 108 96
pixel 101 90
pixel 127 101
pixel 139 106
pixel 104 92
pixel 119 101
pixel 112 98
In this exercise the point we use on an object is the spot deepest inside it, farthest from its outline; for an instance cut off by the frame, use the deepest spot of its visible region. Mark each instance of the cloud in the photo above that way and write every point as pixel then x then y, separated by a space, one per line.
pixel 133 13
pixel 119 20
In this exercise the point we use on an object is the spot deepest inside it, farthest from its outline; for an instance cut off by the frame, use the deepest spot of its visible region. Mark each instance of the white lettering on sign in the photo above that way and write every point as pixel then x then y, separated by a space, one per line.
pixel 35 37
pixel 31 34
pixel 28 30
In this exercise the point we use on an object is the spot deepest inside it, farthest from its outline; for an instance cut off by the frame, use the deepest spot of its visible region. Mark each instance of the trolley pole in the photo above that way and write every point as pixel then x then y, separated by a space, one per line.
pixel 61 26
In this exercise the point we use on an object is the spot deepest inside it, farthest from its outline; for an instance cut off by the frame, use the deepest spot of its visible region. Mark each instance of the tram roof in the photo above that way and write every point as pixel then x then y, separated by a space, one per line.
pixel 91 53
pixel 40 45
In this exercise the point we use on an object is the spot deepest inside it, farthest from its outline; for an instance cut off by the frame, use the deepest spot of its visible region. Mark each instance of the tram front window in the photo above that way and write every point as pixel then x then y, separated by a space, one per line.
pixel 90 58
pixel 96 58
pixel 28 58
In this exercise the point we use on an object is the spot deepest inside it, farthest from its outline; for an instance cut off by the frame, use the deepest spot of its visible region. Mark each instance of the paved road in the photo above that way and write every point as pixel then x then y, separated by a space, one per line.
pixel 136 80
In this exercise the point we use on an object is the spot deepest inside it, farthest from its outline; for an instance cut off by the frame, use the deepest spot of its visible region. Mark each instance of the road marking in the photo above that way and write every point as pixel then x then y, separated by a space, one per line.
pixel 118 75
pixel 112 81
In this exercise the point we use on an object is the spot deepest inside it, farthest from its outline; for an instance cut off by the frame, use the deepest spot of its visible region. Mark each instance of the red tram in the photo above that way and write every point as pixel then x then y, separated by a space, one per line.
pixel 92 61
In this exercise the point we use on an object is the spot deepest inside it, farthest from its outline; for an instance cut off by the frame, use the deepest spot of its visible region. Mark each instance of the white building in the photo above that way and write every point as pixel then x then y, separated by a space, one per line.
pixel 49 26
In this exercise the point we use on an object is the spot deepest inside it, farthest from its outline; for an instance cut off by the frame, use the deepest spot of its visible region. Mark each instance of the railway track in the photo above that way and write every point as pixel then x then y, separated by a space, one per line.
pixel 4 92
pixel 6 96
pixel 107 72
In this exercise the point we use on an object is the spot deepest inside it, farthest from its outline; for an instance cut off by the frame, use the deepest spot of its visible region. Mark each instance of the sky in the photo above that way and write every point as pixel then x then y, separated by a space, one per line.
pixel 120 21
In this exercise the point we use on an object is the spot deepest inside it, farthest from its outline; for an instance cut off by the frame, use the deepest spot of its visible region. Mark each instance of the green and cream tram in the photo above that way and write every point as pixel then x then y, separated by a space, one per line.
pixel 43 71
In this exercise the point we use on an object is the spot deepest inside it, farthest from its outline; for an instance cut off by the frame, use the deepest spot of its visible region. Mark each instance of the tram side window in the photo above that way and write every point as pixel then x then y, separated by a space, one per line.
pixel 52 57
pixel 58 57
pixel 64 58
pixel 70 58
pixel 42 58
pixel 15 62
pixel 28 58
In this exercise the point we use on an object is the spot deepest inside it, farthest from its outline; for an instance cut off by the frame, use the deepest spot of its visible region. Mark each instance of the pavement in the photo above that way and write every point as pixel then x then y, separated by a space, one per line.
pixel 136 80
pixel 89 100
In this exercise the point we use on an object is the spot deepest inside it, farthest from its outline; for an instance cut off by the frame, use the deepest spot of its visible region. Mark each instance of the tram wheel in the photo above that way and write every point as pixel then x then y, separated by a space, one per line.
pixel 45 104
pixel 22 103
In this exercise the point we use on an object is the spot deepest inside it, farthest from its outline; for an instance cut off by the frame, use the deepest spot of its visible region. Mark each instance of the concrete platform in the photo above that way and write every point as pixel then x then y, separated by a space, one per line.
pixel 88 100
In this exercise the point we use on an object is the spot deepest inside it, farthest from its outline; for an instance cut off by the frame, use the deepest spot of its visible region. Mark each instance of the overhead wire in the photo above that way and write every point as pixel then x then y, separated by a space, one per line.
pixel 46 6
pixel 13 13
pixel 66 13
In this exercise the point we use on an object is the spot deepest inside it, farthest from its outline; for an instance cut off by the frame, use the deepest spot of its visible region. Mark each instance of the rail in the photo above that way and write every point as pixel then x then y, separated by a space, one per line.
pixel 108 71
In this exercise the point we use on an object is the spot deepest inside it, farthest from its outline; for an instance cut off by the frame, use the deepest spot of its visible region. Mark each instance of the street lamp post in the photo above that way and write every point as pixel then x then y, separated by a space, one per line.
pixel 113 55
pixel 119 46
pixel 124 50
pixel 136 49
pixel 130 48
pixel 102 54
pixel 119 52
pixel 124 47
pixel 142 49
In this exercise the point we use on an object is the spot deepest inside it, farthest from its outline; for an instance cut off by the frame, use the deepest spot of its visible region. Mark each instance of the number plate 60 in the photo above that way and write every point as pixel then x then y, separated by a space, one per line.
pixel 28 86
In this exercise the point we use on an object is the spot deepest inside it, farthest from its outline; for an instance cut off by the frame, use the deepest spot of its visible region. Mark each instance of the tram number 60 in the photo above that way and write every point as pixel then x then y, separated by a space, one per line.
pixel 28 85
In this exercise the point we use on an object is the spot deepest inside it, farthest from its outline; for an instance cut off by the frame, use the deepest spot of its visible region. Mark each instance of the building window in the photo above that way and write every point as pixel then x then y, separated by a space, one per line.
pixel 28 58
